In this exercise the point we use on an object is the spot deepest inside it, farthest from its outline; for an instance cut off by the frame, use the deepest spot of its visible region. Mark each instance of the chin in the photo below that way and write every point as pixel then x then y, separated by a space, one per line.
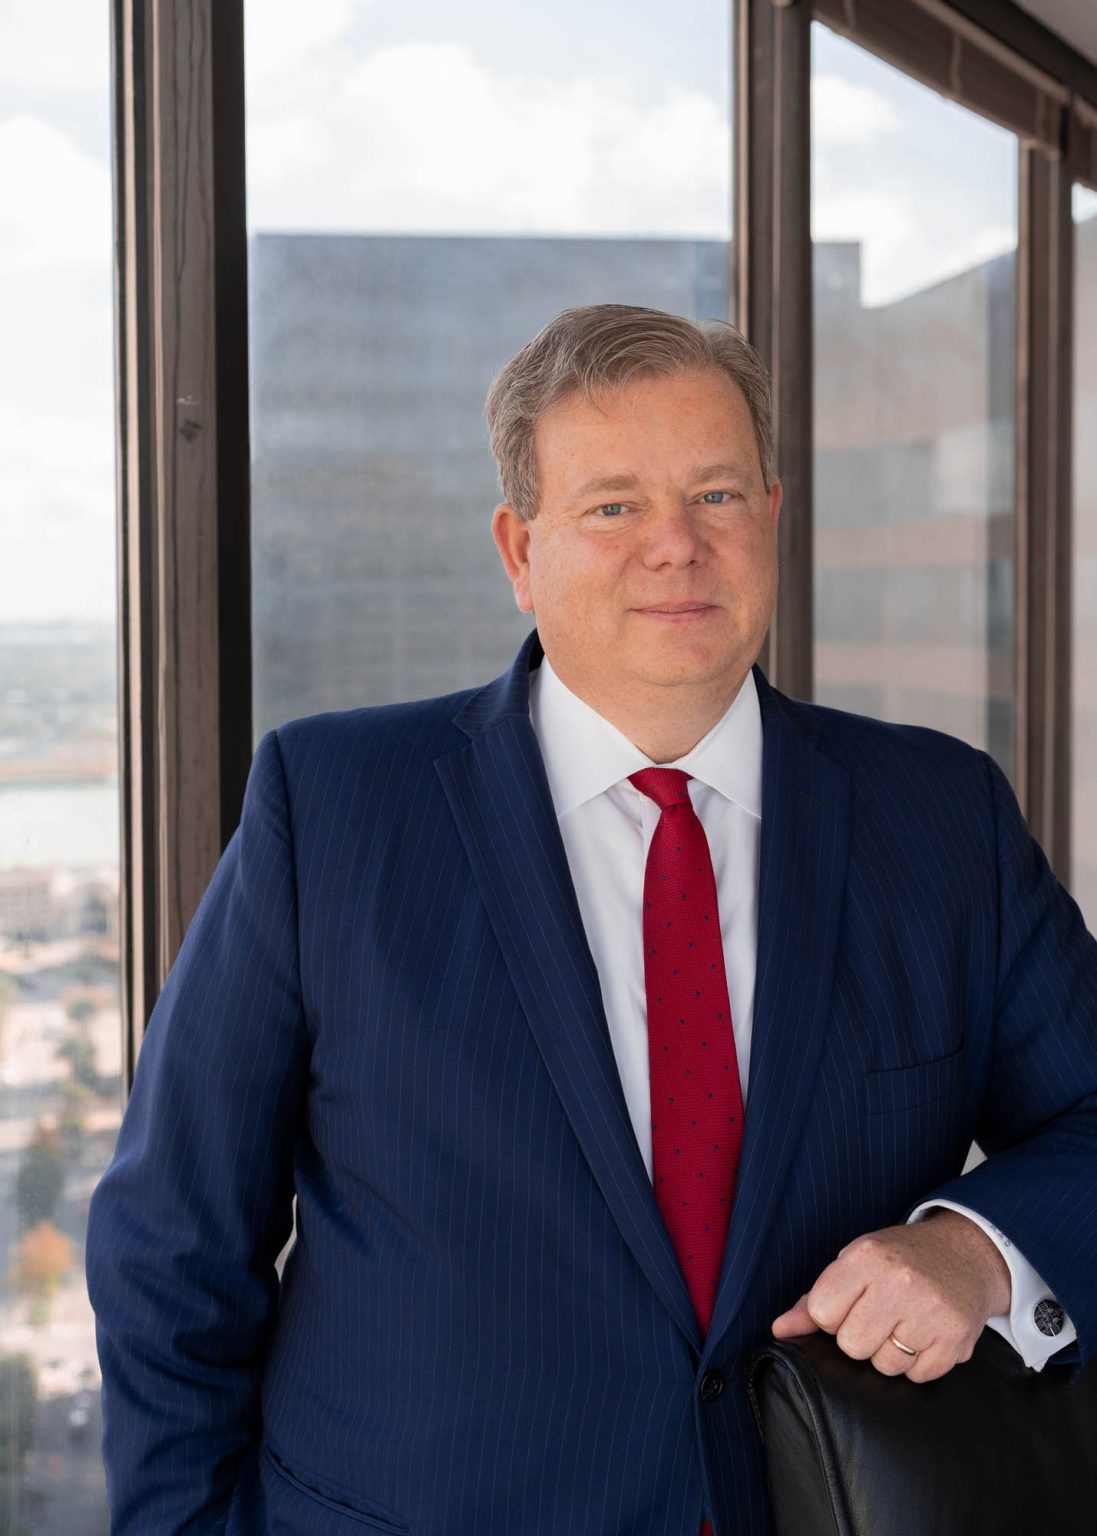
pixel 681 667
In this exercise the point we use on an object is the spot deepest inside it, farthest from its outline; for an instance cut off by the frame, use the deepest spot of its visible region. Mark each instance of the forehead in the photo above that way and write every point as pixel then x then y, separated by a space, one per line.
pixel 687 417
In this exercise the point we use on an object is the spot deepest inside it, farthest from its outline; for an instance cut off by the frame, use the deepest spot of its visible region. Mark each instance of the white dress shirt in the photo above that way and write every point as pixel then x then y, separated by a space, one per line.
pixel 606 825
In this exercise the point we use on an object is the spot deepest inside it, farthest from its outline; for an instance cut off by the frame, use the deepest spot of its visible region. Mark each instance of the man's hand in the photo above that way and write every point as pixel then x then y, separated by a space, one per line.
pixel 933 1283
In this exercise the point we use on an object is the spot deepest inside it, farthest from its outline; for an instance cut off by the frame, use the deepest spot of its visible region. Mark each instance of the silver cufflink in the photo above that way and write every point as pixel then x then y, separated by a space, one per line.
pixel 1049 1317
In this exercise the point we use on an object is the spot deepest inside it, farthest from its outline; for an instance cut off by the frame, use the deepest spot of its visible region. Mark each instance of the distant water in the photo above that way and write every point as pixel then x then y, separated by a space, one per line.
pixel 71 825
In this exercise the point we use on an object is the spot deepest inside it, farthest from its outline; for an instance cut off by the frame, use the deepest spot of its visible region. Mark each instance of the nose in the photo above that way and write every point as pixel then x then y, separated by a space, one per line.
pixel 672 535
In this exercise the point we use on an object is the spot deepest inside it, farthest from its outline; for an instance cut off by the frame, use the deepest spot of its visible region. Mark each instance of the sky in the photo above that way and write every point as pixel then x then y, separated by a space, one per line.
pixel 581 118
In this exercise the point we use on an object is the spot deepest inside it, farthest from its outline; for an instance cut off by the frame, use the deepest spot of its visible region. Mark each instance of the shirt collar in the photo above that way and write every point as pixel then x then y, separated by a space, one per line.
pixel 585 754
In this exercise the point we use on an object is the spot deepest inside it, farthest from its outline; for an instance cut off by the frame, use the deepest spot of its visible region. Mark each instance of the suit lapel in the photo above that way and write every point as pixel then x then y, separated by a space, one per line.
pixel 499 794
pixel 802 876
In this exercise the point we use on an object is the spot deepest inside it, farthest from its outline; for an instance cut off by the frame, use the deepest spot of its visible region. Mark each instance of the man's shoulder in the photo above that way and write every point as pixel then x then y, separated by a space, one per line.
pixel 418 725
pixel 911 787
pixel 868 746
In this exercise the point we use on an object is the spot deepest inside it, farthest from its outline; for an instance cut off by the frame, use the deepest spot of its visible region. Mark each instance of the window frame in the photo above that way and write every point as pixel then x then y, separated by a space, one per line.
pixel 183 469
pixel 999 62
pixel 182 418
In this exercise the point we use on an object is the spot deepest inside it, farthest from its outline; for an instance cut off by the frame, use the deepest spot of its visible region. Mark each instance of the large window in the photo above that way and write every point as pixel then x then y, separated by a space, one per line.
pixel 426 189
pixel 914 229
pixel 1084 735
pixel 60 1094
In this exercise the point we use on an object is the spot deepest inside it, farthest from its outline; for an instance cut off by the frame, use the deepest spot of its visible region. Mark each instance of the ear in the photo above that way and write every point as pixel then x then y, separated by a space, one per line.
pixel 776 496
pixel 512 536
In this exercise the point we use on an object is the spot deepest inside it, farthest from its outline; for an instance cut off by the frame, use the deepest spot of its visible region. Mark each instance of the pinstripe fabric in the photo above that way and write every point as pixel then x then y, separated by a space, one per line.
pixel 386 1002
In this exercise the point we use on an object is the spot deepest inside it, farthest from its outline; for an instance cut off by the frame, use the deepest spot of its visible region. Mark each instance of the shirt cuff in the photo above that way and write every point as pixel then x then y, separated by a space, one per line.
pixel 1031 1301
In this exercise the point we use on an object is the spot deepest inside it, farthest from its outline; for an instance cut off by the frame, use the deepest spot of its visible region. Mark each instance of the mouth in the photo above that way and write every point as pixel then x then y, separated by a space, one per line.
pixel 682 612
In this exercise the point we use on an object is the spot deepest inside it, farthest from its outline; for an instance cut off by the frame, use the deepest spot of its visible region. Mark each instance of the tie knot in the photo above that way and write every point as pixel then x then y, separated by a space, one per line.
pixel 666 786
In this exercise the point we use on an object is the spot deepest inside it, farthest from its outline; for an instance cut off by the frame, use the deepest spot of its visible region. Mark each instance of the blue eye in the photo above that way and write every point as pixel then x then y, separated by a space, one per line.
pixel 707 494
pixel 607 506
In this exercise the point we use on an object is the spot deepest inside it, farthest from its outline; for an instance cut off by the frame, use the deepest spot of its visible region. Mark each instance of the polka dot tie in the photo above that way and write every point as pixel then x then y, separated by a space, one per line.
pixel 696 1099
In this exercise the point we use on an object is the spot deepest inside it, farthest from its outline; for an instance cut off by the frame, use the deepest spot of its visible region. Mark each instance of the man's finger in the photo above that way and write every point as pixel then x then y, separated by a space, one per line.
pixel 796 1320
pixel 866 1329
pixel 930 1363
pixel 890 1360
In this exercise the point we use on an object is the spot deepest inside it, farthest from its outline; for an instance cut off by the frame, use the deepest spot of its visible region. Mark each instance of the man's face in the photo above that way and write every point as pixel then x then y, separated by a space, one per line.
pixel 652 497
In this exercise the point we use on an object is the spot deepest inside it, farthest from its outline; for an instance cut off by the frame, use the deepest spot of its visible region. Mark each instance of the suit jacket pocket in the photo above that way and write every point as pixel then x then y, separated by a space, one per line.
pixel 292 1485
pixel 895 1088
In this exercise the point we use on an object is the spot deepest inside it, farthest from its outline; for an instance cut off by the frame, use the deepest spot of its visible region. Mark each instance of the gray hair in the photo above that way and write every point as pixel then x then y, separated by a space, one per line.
pixel 602 346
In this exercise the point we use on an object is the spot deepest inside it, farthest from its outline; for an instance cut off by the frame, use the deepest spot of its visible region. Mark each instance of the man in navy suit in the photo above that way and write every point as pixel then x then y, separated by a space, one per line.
pixel 565 1151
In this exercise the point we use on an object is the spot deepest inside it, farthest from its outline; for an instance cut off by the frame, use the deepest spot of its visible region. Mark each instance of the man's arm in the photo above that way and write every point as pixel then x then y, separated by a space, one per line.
pixel 1038 1126
pixel 185 1225
pixel 1038 1121
pixel 1035 1324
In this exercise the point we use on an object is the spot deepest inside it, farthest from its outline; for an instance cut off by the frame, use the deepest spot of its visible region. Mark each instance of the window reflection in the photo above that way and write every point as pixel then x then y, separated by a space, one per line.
pixel 426 190
pixel 914 226
pixel 60 1038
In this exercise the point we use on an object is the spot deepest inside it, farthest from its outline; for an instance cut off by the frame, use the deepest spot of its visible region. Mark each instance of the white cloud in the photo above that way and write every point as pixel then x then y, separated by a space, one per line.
pixel 884 224
pixel 288 45
pixel 974 248
pixel 53 49
pixel 421 136
pixel 55 198
pixel 846 112
pixel 1084 202
pixel 863 213
pixel 56 390
pixel 903 249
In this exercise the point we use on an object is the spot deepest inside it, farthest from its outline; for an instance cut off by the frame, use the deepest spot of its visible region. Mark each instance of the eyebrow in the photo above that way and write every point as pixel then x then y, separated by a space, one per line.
pixel 625 482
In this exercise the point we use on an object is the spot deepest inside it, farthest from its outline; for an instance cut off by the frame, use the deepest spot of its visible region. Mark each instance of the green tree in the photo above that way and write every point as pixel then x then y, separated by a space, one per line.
pixel 39 1178
pixel 81 1009
pixel 72 1116
pixel 79 1052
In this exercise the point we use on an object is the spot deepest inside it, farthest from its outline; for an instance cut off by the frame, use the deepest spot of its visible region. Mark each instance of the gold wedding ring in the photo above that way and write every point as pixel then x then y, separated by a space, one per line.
pixel 904 1347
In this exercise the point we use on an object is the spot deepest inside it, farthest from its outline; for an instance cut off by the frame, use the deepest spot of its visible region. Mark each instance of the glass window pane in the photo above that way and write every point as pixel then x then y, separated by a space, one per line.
pixel 1084 734
pixel 60 1036
pixel 914 224
pixel 427 187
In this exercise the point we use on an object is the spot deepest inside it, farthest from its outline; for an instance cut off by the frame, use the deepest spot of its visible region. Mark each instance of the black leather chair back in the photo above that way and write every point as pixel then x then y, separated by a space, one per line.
pixel 990 1449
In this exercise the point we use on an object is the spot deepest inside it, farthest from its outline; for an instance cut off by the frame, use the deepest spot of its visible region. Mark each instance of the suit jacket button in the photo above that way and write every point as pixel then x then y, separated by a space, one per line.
pixel 1048 1316
pixel 712 1384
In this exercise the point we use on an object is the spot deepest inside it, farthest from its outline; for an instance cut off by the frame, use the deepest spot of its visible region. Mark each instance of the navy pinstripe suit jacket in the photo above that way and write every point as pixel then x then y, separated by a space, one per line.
pixel 386 1004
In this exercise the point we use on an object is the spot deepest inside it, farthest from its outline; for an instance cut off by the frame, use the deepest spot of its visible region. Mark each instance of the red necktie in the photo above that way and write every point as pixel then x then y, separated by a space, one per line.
pixel 696 1099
